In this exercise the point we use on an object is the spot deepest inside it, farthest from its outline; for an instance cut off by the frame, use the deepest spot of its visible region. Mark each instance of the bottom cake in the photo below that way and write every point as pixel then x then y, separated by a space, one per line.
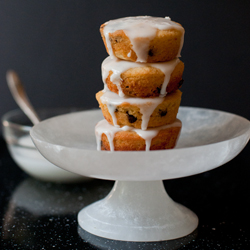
pixel 128 138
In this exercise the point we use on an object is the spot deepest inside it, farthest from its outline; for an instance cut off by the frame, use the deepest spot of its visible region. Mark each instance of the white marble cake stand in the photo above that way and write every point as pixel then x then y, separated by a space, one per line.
pixel 138 207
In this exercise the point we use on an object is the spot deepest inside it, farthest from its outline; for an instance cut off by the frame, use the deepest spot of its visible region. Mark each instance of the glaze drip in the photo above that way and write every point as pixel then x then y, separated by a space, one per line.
pixel 140 30
pixel 118 67
pixel 103 127
pixel 146 105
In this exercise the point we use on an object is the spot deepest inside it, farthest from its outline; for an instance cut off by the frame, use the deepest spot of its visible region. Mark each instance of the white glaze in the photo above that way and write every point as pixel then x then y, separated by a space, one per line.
pixel 26 141
pixel 140 30
pixel 103 127
pixel 118 67
pixel 33 163
pixel 146 105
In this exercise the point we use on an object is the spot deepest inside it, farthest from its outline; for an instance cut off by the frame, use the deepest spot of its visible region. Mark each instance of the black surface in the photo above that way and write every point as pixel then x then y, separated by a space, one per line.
pixel 40 215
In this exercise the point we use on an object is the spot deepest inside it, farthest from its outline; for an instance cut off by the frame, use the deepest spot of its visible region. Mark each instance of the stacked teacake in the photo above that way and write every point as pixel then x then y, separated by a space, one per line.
pixel 142 76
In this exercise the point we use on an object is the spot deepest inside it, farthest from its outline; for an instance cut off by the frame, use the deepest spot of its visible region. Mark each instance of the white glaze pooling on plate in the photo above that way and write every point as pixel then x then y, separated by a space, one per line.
pixel 118 67
pixel 146 105
pixel 138 28
pixel 103 127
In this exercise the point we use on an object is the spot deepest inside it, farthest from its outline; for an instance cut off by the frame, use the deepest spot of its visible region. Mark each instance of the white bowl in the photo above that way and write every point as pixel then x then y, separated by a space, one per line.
pixel 16 129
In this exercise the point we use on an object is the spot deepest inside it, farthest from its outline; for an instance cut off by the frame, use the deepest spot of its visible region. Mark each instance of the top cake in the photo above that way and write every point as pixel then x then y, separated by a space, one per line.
pixel 143 38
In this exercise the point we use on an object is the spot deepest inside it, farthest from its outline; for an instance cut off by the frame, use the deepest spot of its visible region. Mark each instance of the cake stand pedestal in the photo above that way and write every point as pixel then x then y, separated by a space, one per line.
pixel 138 211
pixel 138 208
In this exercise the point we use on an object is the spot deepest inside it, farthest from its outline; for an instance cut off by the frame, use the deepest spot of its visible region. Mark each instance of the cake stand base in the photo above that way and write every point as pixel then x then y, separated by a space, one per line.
pixel 138 208
pixel 138 211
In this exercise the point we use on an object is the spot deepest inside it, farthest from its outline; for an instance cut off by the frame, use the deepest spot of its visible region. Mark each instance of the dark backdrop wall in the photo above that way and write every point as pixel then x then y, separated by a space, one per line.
pixel 56 48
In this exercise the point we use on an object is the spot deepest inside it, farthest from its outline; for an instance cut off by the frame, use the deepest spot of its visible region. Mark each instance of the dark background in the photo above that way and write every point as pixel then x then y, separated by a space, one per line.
pixel 56 48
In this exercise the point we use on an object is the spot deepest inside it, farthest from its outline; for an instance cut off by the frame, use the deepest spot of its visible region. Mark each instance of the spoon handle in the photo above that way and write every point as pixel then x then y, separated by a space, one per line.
pixel 19 94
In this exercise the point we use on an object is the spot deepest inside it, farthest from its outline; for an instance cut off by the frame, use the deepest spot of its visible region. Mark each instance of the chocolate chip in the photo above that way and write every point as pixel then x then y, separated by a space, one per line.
pixel 158 90
pixel 116 110
pixel 163 112
pixel 150 52
pixel 131 118
pixel 115 39
pixel 103 147
pixel 180 83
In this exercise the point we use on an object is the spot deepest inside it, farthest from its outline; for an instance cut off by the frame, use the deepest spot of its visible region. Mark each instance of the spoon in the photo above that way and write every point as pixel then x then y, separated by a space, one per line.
pixel 18 92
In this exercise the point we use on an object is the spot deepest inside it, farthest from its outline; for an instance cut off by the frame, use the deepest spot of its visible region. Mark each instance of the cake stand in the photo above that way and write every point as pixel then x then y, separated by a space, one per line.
pixel 138 207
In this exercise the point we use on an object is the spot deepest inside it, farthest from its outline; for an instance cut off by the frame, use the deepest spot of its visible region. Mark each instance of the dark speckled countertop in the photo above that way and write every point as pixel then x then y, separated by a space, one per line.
pixel 40 215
